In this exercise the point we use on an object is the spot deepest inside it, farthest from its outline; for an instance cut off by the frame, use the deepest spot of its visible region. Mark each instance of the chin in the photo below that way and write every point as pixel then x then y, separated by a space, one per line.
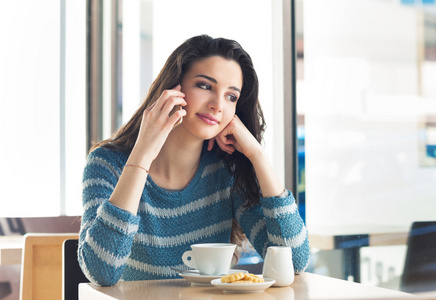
pixel 207 136
pixel 205 133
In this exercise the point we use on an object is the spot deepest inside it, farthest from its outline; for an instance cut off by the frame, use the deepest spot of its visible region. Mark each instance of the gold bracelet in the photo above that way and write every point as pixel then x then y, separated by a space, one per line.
pixel 137 167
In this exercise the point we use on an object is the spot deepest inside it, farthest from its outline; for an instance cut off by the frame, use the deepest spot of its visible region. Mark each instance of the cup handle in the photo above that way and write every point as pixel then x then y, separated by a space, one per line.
pixel 189 260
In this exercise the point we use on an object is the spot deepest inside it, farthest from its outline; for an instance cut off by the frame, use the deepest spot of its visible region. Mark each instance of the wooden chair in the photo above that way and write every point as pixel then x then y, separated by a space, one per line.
pixel 72 274
pixel 41 267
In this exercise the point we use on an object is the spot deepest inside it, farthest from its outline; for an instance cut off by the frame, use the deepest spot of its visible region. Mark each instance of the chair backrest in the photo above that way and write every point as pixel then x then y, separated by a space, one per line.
pixel 41 266
pixel 72 274
pixel 419 273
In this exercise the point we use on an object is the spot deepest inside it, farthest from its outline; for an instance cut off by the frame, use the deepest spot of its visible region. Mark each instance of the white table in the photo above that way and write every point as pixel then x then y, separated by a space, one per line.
pixel 307 286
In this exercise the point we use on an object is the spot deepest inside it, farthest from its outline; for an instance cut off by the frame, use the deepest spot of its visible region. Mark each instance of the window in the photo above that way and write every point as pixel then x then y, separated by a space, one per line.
pixel 368 102
pixel 42 107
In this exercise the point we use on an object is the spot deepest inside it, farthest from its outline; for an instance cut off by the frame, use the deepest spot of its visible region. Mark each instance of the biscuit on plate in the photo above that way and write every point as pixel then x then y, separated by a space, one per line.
pixel 253 278
pixel 241 278
pixel 232 277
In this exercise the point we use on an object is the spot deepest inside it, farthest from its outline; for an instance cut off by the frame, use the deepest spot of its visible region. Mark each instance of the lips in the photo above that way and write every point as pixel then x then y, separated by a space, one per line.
pixel 208 119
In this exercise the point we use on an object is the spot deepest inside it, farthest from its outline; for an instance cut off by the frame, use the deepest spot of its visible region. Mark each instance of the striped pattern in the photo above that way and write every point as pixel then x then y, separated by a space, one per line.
pixel 116 245
pixel 197 205
pixel 178 240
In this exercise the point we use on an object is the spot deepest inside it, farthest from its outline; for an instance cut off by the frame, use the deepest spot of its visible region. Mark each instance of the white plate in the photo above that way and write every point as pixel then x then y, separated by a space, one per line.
pixel 205 279
pixel 244 287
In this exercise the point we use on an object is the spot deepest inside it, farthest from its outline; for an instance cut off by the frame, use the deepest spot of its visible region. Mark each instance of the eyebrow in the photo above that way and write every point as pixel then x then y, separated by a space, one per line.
pixel 215 81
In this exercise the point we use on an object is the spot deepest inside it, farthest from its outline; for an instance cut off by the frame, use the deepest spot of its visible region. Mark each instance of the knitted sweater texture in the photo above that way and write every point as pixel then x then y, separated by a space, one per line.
pixel 117 245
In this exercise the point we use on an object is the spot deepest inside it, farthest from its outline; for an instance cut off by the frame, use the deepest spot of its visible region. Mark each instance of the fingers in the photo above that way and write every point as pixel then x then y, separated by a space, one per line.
pixel 225 146
pixel 170 98
pixel 225 140
pixel 236 137
pixel 176 117
pixel 210 144
pixel 167 110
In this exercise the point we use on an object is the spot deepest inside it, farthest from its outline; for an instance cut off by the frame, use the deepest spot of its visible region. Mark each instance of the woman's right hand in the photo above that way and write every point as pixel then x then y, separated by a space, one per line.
pixel 156 123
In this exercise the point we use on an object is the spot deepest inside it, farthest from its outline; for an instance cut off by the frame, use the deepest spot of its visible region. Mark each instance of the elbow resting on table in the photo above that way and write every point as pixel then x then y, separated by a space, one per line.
pixel 300 257
pixel 98 271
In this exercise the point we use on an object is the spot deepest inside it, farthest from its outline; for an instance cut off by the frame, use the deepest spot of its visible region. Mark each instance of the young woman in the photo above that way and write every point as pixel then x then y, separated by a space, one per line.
pixel 187 168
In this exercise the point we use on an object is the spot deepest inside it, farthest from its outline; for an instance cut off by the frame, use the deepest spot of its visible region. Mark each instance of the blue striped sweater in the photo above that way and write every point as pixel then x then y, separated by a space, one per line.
pixel 115 244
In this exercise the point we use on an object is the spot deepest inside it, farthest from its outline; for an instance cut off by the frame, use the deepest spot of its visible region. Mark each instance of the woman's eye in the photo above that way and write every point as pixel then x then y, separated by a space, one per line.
pixel 232 98
pixel 204 86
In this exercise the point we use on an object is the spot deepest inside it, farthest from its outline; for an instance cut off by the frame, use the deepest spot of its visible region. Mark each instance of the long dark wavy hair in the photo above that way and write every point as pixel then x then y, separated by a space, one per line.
pixel 247 109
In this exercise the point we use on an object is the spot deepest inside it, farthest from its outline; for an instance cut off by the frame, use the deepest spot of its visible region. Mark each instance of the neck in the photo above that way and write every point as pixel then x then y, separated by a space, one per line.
pixel 177 162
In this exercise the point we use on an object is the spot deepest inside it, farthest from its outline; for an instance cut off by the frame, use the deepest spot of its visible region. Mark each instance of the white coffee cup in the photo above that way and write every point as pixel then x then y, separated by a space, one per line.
pixel 210 259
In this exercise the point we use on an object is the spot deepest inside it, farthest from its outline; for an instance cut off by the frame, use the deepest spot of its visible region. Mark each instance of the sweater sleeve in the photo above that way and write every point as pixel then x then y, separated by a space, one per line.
pixel 276 222
pixel 107 232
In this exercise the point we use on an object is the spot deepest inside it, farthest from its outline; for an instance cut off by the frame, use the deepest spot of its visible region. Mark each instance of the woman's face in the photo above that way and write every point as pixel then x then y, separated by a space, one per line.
pixel 212 88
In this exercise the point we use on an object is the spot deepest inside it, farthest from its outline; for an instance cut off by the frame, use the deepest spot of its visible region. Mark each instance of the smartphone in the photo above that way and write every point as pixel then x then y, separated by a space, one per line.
pixel 176 108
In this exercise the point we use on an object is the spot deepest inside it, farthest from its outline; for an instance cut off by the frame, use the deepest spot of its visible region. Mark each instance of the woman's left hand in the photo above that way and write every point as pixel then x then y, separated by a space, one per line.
pixel 236 137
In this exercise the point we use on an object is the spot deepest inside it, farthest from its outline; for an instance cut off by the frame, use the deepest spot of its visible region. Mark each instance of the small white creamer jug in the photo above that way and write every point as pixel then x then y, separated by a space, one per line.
pixel 278 265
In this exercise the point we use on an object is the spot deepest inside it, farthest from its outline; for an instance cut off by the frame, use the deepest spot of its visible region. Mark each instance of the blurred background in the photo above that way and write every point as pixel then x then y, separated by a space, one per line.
pixel 362 145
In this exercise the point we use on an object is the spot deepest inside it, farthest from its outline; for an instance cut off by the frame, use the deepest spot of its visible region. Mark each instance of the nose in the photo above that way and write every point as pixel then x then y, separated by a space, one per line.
pixel 216 103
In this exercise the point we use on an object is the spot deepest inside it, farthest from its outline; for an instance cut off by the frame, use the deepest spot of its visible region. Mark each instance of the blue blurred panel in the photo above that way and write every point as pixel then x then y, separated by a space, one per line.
pixel 431 150
pixel 248 258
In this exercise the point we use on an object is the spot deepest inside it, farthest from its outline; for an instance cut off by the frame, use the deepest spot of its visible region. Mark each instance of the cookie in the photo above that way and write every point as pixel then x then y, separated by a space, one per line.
pixel 241 278
pixel 232 277
pixel 253 278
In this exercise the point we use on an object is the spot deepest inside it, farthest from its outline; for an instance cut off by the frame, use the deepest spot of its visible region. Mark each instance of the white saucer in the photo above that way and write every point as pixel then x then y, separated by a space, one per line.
pixel 244 287
pixel 205 279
